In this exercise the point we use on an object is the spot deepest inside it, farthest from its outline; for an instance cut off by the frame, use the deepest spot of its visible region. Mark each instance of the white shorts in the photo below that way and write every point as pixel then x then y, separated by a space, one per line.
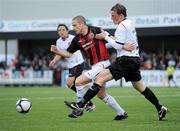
pixel 98 67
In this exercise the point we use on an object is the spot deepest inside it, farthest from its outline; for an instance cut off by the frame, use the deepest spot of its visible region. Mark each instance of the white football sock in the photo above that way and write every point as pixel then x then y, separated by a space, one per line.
pixel 110 101
pixel 80 92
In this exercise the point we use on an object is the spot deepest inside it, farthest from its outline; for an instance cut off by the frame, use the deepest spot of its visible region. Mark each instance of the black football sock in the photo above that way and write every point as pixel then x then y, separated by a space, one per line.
pixel 149 95
pixel 73 87
pixel 91 92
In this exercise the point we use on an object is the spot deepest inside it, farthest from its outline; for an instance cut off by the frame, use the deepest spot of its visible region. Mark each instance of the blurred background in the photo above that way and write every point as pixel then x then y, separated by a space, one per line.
pixel 28 28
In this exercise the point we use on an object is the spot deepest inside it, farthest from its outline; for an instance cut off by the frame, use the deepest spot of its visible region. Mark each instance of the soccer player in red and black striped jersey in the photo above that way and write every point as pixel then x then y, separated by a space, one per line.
pixel 94 49
pixel 96 53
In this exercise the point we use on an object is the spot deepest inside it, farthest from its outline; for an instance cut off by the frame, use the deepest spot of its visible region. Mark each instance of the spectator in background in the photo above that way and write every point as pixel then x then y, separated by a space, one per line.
pixel 178 64
pixel 160 65
pixel 57 76
pixel 170 71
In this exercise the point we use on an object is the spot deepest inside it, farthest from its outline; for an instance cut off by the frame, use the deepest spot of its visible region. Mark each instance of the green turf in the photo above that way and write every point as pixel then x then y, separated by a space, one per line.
pixel 49 113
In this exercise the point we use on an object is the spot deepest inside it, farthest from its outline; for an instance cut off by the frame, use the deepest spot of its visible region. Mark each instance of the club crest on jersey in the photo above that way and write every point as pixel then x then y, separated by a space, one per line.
pixel 91 35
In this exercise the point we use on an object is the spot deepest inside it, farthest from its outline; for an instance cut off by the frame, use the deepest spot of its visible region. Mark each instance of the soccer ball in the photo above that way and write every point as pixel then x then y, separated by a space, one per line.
pixel 23 105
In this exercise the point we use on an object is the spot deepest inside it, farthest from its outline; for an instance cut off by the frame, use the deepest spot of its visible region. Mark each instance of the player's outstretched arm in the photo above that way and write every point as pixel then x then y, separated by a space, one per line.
pixel 128 47
pixel 55 60
pixel 113 43
pixel 62 53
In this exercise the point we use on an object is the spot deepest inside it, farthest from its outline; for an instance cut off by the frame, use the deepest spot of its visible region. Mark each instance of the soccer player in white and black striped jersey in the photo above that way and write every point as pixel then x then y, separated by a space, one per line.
pixel 127 63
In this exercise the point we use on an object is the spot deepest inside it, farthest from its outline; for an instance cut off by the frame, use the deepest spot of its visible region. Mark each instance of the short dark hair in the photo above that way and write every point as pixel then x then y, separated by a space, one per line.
pixel 119 9
pixel 79 19
pixel 62 25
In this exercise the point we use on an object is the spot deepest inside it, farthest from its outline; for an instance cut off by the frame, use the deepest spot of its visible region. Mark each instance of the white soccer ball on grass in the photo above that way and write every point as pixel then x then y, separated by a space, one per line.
pixel 23 105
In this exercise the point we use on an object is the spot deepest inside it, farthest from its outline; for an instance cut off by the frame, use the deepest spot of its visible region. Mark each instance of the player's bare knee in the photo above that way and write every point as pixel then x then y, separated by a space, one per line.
pixel 70 82
pixel 77 83
pixel 139 86
pixel 100 96
pixel 102 93
pixel 99 80
pixel 69 85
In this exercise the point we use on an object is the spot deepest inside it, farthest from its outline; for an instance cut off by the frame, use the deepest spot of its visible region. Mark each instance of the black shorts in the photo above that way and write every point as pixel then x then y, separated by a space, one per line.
pixel 170 77
pixel 127 67
pixel 76 70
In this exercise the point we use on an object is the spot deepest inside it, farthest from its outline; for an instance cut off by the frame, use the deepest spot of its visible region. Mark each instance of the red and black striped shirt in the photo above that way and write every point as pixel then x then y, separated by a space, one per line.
pixel 95 50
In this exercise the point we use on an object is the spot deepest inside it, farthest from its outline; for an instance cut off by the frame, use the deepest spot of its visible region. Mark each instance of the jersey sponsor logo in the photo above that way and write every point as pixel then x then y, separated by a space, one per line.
pixel 80 41
pixel 88 45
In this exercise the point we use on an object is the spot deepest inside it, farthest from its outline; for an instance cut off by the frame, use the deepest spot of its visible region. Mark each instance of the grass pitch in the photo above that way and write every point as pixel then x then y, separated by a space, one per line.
pixel 50 114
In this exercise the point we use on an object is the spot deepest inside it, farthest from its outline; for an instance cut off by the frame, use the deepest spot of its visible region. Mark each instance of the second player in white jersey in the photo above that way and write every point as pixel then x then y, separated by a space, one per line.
pixel 127 63
pixel 126 33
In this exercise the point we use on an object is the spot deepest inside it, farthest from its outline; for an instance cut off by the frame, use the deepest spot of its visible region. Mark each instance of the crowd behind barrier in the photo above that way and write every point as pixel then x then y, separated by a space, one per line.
pixel 32 69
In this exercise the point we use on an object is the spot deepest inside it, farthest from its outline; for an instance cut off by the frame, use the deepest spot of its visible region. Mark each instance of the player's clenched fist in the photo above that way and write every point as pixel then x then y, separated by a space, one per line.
pixel 52 63
pixel 54 48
